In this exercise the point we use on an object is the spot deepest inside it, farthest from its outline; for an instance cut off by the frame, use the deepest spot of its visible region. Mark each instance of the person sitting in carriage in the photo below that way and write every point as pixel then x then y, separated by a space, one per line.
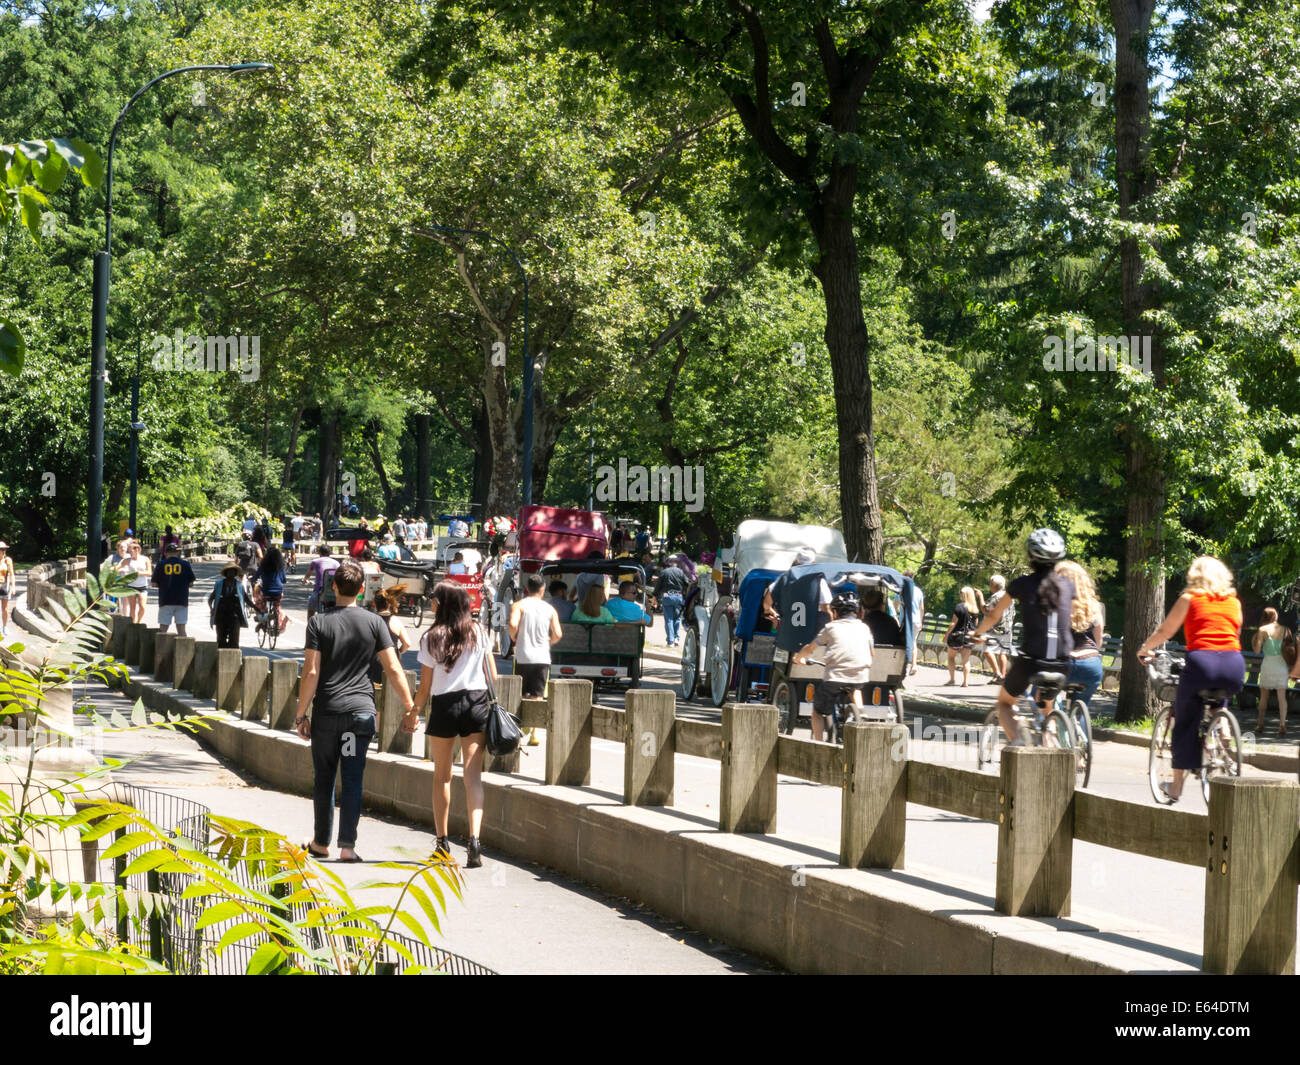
pixel 783 587
pixel 885 631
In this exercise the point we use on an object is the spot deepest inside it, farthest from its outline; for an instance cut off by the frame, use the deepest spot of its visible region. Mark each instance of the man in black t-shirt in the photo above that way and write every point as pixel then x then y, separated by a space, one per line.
pixel 173 576
pixel 336 685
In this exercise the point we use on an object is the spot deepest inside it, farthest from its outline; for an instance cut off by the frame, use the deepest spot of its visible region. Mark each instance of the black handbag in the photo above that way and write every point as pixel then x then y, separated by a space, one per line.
pixel 504 732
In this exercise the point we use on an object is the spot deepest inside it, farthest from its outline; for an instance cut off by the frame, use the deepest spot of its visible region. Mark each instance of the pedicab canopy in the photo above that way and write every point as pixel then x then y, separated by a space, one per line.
pixel 772 545
pixel 800 585
pixel 547 534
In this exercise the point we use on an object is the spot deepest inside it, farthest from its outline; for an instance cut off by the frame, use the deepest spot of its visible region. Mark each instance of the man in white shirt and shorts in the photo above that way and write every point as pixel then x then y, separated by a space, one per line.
pixel 846 649
pixel 534 627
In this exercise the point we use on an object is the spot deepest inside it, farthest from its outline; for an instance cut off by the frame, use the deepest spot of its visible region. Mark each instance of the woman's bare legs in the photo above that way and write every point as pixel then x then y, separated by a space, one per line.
pixel 471 751
pixel 441 783
pixel 1263 708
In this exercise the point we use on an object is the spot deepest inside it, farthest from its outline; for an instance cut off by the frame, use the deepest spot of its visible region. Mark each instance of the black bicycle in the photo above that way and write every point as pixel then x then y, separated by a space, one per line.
pixel 268 624
pixel 1219 732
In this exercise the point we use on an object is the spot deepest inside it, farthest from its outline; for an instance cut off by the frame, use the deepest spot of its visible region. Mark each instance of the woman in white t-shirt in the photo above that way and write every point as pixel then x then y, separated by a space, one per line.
pixel 455 667
pixel 137 566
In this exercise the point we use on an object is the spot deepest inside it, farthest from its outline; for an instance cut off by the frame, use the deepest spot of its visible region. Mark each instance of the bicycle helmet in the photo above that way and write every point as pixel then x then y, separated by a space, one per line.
pixel 845 602
pixel 1046 545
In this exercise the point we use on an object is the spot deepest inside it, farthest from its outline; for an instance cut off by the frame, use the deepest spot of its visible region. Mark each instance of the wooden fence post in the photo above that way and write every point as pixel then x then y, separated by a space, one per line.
pixel 568 733
pixel 205 669
pixel 183 651
pixel 284 692
pixel 148 648
pixel 1035 832
pixel 163 646
pixel 133 632
pixel 391 737
pixel 1251 876
pixel 121 623
pixel 225 689
pixel 873 821
pixel 510 690
pixel 649 748
pixel 253 682
pixel 748 801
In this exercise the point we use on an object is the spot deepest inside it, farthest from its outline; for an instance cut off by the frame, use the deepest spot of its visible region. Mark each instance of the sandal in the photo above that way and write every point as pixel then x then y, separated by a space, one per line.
pixel 310 848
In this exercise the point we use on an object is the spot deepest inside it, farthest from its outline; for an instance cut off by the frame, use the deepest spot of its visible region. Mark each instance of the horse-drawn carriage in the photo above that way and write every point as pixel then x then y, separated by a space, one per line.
pixel 733 649
pixel 762 550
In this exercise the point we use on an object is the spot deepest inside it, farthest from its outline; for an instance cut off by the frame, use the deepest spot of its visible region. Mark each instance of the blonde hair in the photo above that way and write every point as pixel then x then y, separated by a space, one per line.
pixel 592 601
pixel 1211 577
pixel 1086 608
pixel 967 596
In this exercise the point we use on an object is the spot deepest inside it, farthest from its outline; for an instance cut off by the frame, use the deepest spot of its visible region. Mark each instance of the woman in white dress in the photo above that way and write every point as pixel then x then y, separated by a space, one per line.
pixel 1269 642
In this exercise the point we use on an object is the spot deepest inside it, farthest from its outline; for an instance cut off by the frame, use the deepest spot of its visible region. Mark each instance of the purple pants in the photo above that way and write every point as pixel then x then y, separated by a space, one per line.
pixel 1204 669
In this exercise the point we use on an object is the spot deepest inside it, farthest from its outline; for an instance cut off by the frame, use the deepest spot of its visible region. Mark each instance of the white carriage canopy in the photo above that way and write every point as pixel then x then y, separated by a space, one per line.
pixel 773 544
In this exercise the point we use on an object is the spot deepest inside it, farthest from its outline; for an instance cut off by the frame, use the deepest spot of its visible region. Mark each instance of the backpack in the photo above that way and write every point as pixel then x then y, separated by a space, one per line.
pixel 244 552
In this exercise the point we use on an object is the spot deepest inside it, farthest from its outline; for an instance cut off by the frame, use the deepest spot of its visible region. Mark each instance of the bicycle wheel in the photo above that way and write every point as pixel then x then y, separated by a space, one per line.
pixel 274 633
pixel 989 740
pixel 261 635
pixel 1160 766
pixel 1082 722
pixel 1058 729
pixel 1222 751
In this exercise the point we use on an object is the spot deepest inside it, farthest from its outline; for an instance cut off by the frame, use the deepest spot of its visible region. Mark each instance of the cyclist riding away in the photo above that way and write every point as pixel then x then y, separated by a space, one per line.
pixel 287 543
pixel 1209 613
pixel 847 654
pixel 1045 599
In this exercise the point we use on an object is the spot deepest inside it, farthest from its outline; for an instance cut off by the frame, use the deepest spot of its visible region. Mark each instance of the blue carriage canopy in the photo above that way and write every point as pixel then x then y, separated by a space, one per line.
pixel 447 519
pixel 800 584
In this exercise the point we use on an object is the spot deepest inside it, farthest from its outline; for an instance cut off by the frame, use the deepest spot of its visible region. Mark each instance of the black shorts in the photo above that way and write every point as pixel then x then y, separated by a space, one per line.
pixel 828 694
pixel 458 713
pixel 1022 669
pixel 959 641
pixel 534 678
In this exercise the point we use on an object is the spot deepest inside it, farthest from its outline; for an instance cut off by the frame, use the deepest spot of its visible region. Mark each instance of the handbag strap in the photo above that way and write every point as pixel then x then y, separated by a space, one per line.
pixel 487 675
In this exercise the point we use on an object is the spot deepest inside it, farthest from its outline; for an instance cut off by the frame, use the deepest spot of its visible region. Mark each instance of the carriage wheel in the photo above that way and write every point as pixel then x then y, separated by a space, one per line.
pixel 720 660
pixel 690 664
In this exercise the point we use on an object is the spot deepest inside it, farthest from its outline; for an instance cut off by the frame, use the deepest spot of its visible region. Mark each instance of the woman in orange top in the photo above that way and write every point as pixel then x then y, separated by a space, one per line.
pixel 1209 613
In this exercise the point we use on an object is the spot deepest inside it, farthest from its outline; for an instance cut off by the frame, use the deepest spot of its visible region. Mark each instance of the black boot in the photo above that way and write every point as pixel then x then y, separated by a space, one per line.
pixel 442 847
pixel 474 857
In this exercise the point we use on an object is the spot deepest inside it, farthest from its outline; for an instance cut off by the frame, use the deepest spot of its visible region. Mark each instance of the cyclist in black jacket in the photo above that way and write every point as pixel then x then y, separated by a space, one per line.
pixel 1045 599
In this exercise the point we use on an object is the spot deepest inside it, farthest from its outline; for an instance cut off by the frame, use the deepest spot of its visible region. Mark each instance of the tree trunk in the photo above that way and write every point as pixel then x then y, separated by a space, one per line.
pixel 503 487
pixel 846 340
pixel 266 451
pixel 326 481
pixel 1144 582
pixel 37 529
pixel 423 503
pixel 372 441
pixel 286 478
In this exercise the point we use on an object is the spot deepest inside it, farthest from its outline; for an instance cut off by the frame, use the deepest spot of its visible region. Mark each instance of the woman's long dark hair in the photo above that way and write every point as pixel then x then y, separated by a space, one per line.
pixel 454 629
pixel 272 561
pixel 1049 588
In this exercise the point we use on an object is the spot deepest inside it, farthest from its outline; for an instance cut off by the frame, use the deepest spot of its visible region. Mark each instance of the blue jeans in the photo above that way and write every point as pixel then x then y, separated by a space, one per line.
pixel 1088 672
pixel 339 739
pixel 672 604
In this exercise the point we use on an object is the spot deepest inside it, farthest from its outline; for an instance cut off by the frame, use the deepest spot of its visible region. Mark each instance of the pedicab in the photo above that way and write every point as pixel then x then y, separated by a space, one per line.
pixel 603 653
pixel 417 580
pixel 545 534
pixel 445 542
pixel 727 637
pixel 792 687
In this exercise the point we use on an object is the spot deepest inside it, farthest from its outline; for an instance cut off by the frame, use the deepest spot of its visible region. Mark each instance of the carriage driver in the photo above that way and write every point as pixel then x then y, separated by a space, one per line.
pixel 846 647
pixel 805 556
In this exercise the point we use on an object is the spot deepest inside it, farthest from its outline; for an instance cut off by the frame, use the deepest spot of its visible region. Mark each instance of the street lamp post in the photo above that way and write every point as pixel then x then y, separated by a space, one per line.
pixel 99 321
pixel 527 488
pixel 137 427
